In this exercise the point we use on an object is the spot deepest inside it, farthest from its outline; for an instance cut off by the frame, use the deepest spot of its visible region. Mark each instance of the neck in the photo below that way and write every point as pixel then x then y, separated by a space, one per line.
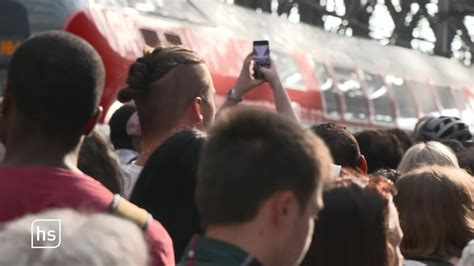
pixel 36 149
pixel 246 237
pixel 148 145
pixel 151 139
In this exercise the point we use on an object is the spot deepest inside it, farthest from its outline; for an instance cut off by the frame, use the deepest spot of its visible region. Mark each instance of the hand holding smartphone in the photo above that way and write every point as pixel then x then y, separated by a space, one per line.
pixel 261 58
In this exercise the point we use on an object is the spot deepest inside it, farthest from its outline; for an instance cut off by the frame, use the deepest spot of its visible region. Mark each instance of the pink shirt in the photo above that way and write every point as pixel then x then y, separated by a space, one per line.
pixel 31 190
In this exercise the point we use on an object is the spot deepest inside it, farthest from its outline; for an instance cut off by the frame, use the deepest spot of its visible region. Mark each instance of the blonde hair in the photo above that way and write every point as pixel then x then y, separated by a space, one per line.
pixel 429 153
pixel 86 239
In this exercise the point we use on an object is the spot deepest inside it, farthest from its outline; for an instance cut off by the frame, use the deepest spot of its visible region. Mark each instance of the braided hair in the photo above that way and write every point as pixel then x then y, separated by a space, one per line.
pixel 153 66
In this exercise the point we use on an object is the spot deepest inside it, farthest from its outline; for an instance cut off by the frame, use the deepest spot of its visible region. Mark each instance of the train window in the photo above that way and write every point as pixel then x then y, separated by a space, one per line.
pixel 150 37
pixel 444 95
pixel 288 71
pixel 404 101
pixel 461 99
pixel 447 100
pixel 425 97
pixel 173 39
pixel 379 97
pixel 328 90
pixel 326 85
pixel 349 85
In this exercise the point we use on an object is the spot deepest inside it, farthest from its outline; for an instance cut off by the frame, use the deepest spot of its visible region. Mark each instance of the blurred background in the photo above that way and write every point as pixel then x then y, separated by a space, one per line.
pixel 440 27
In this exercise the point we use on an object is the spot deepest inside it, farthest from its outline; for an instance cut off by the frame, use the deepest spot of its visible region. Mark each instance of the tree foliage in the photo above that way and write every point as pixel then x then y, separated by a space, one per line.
pixel 445 19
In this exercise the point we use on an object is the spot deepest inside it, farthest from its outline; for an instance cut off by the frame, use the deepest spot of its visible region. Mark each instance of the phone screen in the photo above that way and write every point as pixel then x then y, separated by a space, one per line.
pixel 261 57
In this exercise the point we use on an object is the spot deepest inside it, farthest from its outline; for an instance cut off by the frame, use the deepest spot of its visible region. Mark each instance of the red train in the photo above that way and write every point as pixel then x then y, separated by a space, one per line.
pixel 329 78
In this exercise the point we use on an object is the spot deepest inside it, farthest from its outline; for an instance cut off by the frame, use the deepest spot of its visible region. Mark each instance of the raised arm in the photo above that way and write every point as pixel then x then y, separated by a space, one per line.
pixel 282 101
pixel 246 83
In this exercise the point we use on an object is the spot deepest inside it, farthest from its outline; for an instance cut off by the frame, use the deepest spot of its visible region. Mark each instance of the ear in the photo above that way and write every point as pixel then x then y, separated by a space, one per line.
pixel 93 120
pixel 363 164
pixel 284 208
pixel 196 115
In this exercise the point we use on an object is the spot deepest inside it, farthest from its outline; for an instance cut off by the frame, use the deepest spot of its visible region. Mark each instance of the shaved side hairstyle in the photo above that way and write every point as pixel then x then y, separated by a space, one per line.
pixel 161 93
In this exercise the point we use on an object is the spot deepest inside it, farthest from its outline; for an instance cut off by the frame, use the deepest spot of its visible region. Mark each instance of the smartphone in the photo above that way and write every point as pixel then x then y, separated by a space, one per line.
pixel 261 57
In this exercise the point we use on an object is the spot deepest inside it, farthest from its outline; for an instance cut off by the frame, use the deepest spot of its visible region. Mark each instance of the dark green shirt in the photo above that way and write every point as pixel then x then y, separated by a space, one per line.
pixel 203 251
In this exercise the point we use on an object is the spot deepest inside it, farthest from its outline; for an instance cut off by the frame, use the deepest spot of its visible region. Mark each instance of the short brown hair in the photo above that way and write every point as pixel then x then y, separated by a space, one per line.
pixel 381 149
pixel 436 212
pixel 251 154
pixel 341 143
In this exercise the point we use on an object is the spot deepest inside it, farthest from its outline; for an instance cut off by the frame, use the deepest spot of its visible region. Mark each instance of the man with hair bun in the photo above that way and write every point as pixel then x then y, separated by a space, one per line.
pixel 173 89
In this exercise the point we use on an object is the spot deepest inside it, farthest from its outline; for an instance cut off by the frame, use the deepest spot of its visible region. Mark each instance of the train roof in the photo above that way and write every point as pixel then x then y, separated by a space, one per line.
pixel 291 37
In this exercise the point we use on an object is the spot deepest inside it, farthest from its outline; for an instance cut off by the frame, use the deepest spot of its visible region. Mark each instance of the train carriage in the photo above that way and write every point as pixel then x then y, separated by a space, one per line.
pixel 329 78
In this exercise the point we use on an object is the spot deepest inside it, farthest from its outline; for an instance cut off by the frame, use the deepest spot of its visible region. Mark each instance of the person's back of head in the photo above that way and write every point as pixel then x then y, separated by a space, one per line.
pixel 455 145
pixel 466 159
pixel 380 148
pixel 341 143
pixel 54 84
pixel 405 139
pixel 436 212
pixel 358 225
pixel 260 171
pixel 419 124
pixel 118 127
pixel 167 183
pixel 84 239
pixel 442 128
pixel 170 86
pixel 97 159
pixel 429 153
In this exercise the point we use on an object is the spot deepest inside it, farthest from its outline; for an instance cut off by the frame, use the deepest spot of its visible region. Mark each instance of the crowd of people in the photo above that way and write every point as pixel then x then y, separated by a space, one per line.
pixel 177 181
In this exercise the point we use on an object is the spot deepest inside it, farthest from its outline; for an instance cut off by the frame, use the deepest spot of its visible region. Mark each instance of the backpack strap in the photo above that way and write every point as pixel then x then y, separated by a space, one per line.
pixel 125 209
